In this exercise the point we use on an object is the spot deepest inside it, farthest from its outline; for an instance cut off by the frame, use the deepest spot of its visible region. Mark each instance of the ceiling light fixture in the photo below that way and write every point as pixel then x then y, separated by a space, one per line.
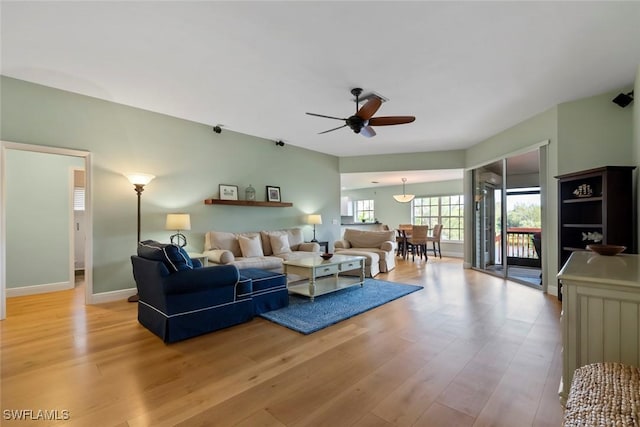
pixel 404 197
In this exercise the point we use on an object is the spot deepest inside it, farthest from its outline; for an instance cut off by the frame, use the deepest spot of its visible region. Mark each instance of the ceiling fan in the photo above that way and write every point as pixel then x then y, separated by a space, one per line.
pixel 363 119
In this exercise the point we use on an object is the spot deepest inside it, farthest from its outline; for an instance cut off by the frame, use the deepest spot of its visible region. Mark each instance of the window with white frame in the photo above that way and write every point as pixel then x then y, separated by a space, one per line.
pixel 445 210
pixel 364 210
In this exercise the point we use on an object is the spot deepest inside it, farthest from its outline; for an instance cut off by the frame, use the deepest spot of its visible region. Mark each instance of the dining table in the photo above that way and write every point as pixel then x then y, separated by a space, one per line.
pixel 404 234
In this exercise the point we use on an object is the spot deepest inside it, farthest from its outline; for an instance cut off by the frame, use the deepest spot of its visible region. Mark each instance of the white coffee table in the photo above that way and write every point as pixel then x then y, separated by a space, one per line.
pixel 324 275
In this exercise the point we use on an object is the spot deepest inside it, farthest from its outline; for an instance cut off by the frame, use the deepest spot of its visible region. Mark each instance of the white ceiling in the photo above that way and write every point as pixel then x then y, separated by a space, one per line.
pixel 466 70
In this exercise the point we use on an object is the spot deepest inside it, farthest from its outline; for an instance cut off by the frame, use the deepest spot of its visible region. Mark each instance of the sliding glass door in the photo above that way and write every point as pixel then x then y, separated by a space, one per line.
pixel 507 218
pixel 487 182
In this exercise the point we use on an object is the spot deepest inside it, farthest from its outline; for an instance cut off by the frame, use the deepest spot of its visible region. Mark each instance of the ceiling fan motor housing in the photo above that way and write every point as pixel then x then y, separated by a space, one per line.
pixel 356 123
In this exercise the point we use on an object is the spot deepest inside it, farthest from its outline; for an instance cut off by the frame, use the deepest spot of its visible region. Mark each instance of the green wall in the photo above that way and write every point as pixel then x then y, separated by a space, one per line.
pixel 534 130
pixel 189 161
pixel 453 159
pixel 38 217
pixel 594 132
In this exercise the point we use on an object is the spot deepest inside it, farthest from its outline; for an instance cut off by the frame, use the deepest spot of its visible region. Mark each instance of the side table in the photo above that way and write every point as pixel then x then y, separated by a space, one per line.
pixel 323 244
pixel 200 257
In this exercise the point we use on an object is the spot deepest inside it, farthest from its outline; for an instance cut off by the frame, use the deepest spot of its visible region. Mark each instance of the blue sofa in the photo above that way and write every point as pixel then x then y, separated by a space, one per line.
pixel 268 289
pixel 180 299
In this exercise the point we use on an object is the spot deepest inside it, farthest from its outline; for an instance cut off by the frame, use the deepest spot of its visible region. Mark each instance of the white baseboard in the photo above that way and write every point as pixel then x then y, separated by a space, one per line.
pixel 552 290
pixel 111 296
pixel 450 254
pixel 38 289
pixel 466 265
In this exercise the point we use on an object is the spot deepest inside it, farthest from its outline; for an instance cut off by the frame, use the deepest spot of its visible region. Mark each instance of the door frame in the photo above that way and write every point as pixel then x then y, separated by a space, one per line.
pixel 543 164
pixel 88 256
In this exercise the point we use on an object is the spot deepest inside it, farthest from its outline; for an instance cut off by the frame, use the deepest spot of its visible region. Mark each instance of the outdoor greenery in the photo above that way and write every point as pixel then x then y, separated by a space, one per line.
pixel 524 215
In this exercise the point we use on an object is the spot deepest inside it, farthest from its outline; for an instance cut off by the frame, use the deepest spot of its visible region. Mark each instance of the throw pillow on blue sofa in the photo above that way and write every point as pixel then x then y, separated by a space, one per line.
pixel 173 256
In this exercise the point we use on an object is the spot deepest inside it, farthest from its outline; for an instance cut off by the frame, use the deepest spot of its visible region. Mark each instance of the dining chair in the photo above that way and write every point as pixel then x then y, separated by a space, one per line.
pixel 418 241
pixel 400 243
pixel 406 227
pixel 404 232
pixel 435 238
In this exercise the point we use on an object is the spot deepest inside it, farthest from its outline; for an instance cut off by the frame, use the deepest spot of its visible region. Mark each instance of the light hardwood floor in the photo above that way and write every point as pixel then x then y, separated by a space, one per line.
pixel 468 349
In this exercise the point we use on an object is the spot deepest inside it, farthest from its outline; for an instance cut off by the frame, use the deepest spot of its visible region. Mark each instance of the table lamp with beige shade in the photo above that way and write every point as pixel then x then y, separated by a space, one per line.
pixel 178 222
pixel 314 219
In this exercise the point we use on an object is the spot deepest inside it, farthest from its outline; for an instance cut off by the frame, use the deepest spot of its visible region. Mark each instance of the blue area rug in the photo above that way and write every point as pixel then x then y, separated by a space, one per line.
pixel 306 317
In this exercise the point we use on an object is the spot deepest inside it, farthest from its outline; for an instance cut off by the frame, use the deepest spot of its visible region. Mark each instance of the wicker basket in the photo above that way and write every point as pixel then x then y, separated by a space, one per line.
pixel 604 394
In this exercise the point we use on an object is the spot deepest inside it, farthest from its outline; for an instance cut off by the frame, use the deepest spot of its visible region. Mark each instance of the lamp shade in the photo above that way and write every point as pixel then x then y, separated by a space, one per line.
pixel 138 178
pixel 179 221
pixel 314 219
pixel 404 198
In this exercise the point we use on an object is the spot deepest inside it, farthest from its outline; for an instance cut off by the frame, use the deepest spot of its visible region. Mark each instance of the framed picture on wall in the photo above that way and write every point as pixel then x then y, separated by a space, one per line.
pixel 228 192
pixel 273 194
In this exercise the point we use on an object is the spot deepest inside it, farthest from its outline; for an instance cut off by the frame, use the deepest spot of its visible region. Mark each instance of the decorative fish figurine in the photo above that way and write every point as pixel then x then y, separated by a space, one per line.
pixel 593 236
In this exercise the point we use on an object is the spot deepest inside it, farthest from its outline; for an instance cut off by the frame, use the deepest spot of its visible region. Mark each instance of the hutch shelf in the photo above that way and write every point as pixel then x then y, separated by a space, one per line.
pixel 595 206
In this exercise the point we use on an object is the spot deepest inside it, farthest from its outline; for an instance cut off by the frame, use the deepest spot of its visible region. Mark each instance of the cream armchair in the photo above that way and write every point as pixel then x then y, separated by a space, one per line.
pixel 382 243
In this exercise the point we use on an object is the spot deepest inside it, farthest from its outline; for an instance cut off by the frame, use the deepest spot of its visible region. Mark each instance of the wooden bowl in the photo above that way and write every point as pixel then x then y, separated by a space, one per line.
pixel 607 250
pixel 326 256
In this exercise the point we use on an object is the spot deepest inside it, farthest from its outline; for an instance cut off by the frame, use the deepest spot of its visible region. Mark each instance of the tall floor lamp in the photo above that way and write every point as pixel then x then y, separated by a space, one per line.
pixel 139 180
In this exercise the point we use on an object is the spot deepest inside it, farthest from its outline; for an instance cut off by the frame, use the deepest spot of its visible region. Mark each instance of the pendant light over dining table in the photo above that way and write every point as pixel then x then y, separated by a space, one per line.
pixel 404 197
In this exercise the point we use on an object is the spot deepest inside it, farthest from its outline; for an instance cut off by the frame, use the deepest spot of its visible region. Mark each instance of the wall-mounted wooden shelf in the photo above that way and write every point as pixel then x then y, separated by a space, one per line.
pixel 248 203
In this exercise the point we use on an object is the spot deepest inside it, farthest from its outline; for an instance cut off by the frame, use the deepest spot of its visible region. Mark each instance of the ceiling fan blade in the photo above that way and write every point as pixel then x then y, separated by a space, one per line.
pixel 367 131
pixel 391 120
pixel 331 130
pixel 327 117
pixel 369 109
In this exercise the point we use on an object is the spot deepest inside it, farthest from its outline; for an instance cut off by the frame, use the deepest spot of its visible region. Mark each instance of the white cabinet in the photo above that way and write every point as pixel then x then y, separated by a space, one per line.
pixel 346 206
pixel 600 312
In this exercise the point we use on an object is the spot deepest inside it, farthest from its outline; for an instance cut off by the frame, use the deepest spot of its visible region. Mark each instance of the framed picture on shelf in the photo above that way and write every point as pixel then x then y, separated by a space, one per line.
pixel 273 194
pixel 228 192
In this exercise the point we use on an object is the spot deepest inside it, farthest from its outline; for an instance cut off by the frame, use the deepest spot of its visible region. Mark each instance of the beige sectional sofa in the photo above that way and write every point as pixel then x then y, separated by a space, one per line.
pixel 381 244
pixel 264 249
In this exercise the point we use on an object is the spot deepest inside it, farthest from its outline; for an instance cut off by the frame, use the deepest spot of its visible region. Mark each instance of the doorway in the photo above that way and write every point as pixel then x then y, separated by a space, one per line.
pixel 508 218
pixel 79 231
pixel 27 244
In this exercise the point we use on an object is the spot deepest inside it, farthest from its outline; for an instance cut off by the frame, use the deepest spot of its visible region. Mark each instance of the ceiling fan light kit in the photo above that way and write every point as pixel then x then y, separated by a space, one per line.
pixel 404 197
pixel 362 121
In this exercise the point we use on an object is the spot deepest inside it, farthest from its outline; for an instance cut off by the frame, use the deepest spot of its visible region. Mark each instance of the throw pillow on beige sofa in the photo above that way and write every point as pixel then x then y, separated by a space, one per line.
pixel 223 247
pixel 250 246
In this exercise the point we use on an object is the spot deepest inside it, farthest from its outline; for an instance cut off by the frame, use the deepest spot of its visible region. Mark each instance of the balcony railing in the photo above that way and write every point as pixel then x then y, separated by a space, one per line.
pixel 521 248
